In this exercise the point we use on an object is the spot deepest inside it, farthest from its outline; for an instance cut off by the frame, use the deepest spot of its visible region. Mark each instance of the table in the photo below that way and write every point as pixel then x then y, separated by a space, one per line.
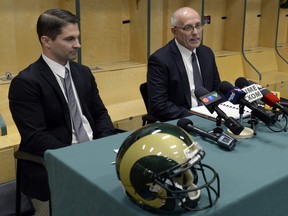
pixel 253 177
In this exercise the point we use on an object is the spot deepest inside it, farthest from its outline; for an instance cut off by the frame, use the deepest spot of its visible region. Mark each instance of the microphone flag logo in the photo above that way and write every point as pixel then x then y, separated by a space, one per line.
pixel 210 98
pixel 252 93
pixel 234 94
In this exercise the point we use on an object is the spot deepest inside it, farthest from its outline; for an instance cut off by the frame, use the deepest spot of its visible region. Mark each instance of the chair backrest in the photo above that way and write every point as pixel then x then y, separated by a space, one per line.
pixel 144 93
pixel 21 156
pixel 147 118
pixel 3 128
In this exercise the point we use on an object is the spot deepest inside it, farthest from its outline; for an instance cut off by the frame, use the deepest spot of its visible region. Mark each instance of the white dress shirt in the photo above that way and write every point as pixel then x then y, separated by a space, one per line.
pixel 59 72
pixel 187 60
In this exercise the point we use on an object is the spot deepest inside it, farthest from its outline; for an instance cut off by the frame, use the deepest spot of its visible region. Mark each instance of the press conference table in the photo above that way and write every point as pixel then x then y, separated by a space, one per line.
pixel 253 177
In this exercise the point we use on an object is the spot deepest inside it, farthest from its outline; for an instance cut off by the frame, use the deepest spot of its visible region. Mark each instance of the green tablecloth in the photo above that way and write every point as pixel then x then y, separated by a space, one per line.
pixel 253 177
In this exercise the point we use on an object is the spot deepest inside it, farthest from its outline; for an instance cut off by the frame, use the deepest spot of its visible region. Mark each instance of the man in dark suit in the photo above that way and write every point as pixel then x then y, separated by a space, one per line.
pixel 39 100
pixel 170 78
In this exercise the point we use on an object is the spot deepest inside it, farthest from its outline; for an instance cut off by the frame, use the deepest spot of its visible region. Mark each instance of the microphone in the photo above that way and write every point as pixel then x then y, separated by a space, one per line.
pixel 237 96
pixel 211 101
pixel 271 99
pixel 284 104
pixel 242 82
pixel 251 89
pixel 223 141
pixel 267 96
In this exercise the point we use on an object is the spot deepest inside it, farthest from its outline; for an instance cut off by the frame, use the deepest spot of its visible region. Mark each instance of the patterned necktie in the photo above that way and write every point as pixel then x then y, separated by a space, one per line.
pixel 196 75
pixel 80 132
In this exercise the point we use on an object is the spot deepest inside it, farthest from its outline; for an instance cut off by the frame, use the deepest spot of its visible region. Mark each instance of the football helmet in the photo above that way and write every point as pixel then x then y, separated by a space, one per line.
pixel 160 168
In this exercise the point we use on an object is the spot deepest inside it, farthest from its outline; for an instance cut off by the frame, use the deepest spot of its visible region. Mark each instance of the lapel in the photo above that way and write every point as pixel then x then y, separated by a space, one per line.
pixel 48 75
pixel 182 71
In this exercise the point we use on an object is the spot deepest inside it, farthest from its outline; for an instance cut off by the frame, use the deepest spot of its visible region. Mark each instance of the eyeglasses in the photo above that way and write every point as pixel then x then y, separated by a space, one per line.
pixel 188 28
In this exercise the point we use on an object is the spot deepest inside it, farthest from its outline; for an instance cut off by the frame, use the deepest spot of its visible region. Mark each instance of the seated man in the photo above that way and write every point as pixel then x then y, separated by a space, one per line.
pixel 55 101
pixel 173 75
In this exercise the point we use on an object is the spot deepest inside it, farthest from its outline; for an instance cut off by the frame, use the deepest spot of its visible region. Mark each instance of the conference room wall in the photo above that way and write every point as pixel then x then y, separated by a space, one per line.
pixel 262 52
pixel 114 33
pixel 116 44
pixel 282 39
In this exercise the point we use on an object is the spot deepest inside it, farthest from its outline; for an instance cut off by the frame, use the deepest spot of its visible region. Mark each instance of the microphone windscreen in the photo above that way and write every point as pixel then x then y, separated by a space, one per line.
pixel 252 82
pixel 270 99
pixel 225 86
pixel 201 91
pixel 242 82
pixel 265 91
pixel 183 122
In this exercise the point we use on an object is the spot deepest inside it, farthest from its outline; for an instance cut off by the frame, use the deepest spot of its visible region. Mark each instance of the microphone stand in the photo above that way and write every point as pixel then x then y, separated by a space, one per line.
pixel 218 129
pixel 247 132
pixel 253 122
pixel 241 112
pixel 224 139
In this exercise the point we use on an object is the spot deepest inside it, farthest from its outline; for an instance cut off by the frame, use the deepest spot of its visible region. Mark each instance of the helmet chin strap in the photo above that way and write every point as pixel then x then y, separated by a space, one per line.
pixel 194 194
pixel 193 197
pixel 155 188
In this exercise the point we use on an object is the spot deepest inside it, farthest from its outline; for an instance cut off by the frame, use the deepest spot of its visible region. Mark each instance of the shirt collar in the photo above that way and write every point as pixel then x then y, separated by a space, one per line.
pixel 56 67
pixel 183 50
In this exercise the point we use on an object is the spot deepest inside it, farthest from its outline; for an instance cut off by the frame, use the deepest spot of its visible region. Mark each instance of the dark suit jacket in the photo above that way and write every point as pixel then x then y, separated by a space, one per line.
pixel 41 115
pixel 168 85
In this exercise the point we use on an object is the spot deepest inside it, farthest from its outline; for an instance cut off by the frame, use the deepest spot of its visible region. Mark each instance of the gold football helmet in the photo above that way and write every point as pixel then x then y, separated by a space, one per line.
pixel 160 167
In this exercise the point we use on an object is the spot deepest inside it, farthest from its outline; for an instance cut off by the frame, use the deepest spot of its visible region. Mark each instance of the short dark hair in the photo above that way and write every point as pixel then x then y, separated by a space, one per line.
pixel 51 21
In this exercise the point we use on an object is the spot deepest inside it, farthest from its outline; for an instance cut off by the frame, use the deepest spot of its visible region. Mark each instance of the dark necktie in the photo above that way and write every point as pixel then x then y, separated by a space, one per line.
pixel 196 74
pixel 80 132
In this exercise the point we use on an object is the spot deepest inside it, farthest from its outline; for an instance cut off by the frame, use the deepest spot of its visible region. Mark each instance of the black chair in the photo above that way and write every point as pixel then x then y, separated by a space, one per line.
pixel 147 118
pixel 25 156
